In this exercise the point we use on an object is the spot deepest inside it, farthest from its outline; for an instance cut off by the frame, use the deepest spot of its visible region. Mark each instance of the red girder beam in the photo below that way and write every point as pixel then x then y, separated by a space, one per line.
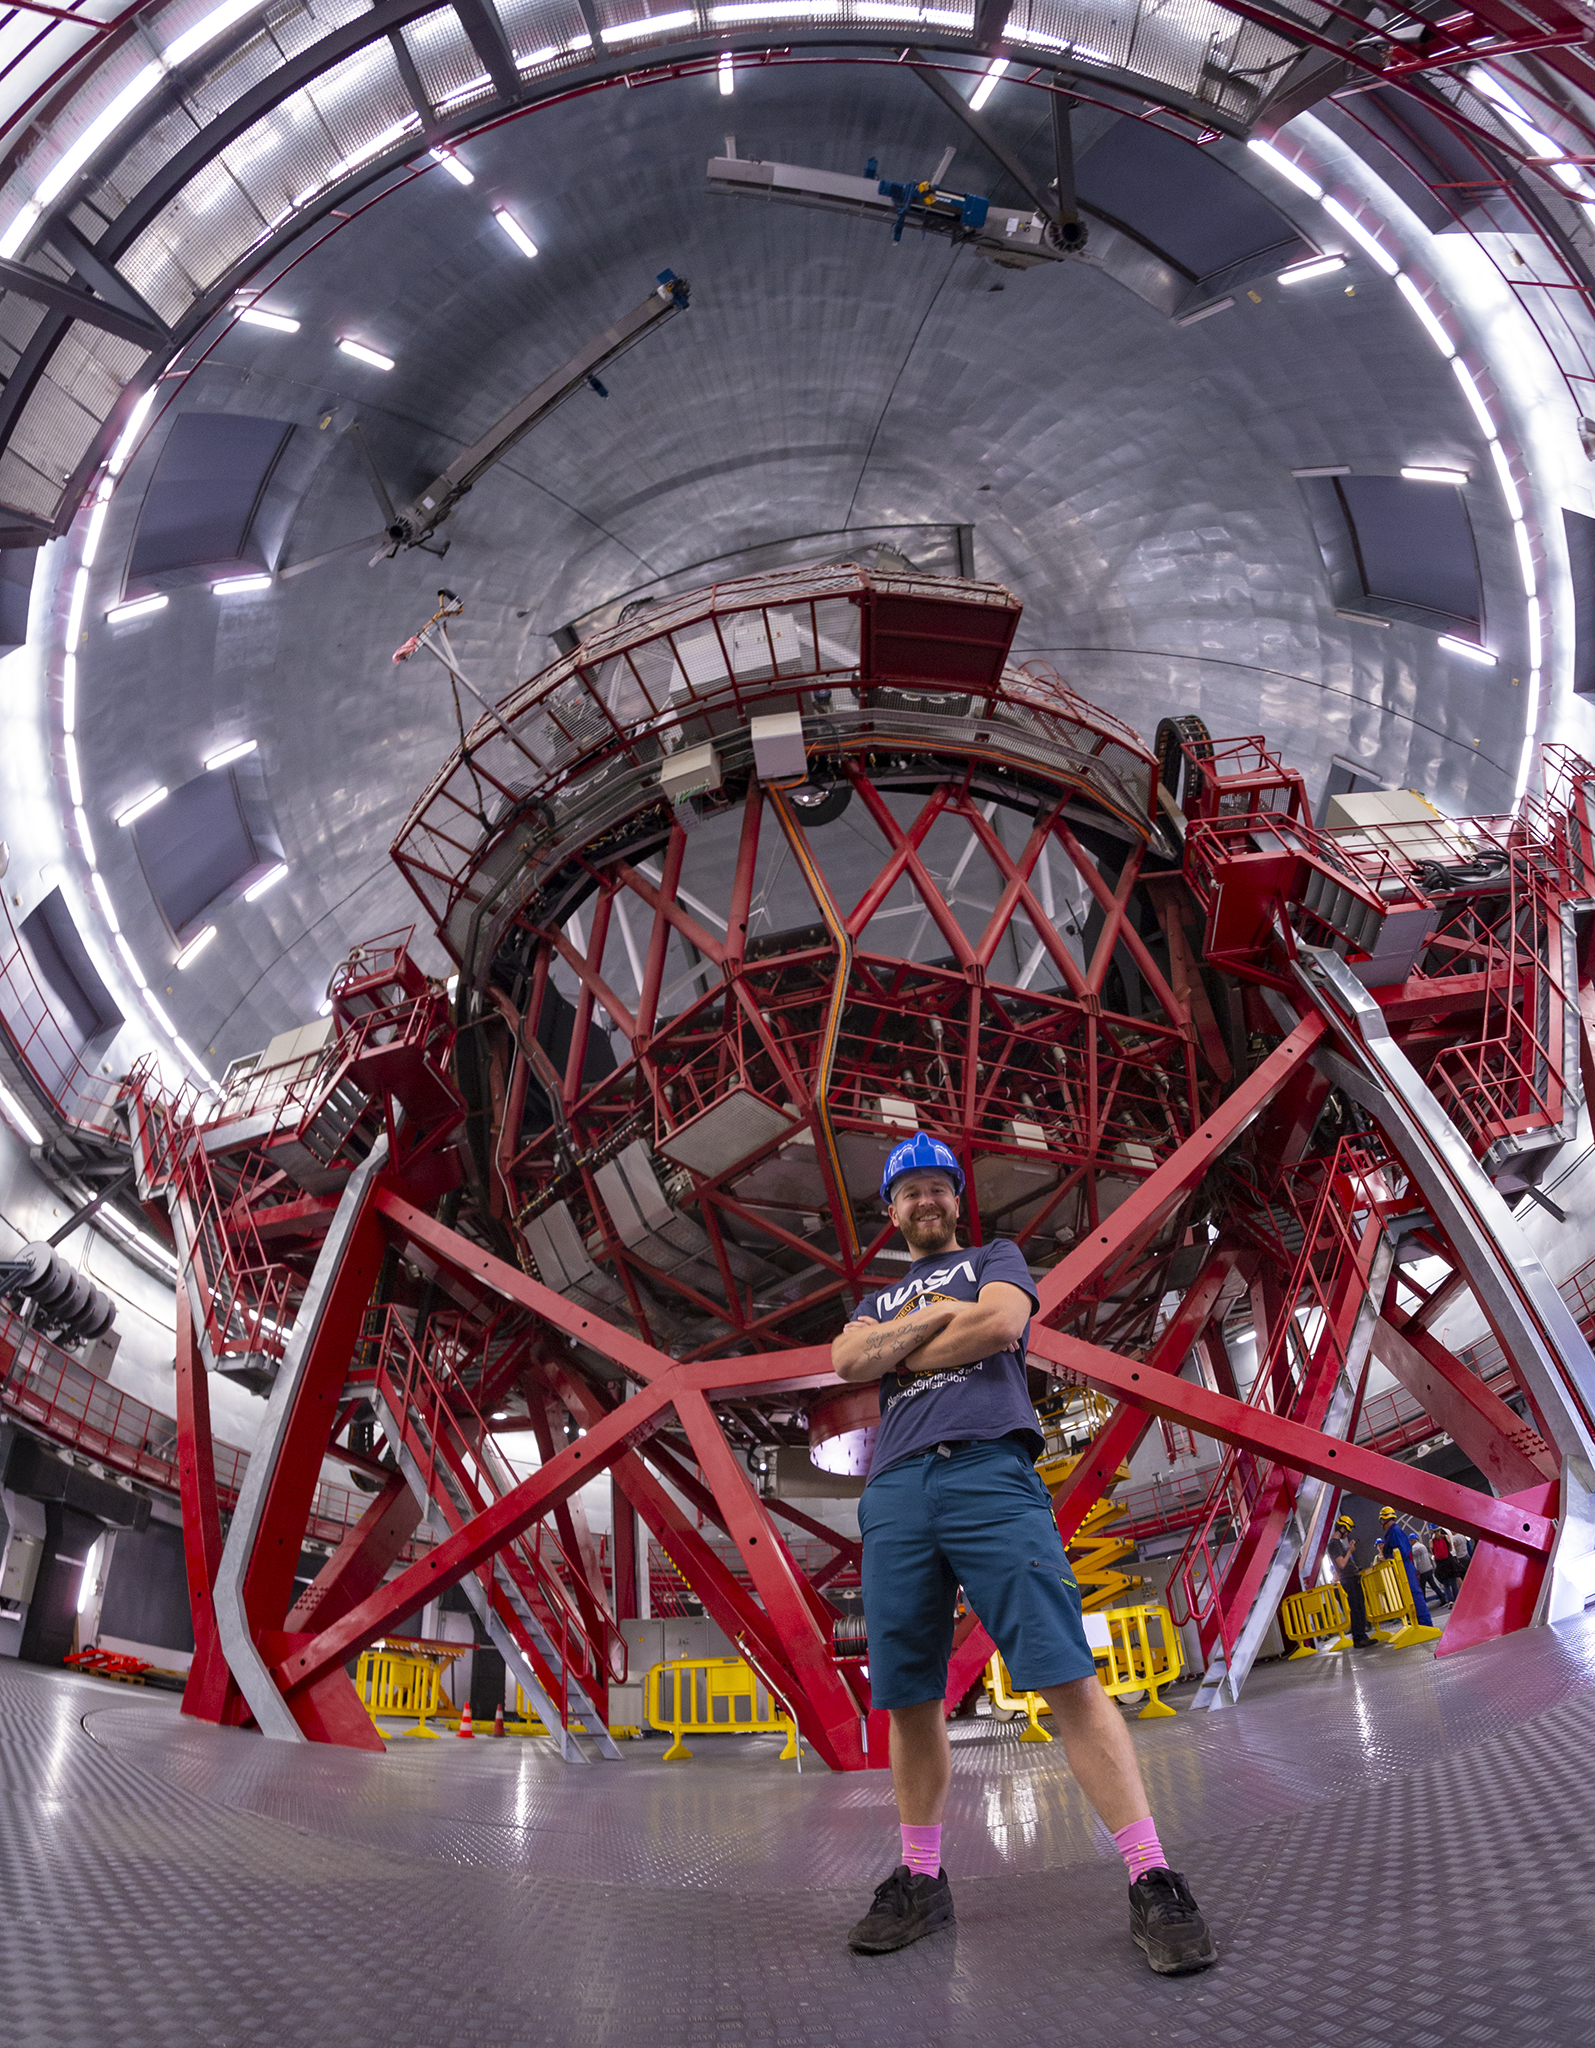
pixel 1297 1448
pixel 1140 1214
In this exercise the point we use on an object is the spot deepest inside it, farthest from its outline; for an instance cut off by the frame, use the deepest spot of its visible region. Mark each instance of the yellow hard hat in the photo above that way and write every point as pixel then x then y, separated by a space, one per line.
pixel 1345 1522
pixel 1387 1514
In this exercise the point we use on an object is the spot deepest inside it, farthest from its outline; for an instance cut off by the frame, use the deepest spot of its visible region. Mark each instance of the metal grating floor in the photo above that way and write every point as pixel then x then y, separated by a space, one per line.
pixel 1391 1851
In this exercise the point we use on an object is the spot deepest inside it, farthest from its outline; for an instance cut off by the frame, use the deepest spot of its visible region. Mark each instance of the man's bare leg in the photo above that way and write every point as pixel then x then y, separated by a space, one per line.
pixel 922 1762
pixel 1100 1752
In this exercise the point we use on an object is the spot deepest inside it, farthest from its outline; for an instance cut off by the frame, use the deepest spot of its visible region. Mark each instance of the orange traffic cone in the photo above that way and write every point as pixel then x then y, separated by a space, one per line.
pixel 498 1718
pixel 465 1730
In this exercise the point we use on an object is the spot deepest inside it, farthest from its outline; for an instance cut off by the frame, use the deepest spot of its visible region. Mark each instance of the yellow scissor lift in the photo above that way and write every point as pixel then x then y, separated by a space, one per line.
pixel 1143 1652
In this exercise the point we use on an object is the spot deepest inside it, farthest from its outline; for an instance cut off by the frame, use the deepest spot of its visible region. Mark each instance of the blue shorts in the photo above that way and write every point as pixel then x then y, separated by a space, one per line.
pixel 980 1519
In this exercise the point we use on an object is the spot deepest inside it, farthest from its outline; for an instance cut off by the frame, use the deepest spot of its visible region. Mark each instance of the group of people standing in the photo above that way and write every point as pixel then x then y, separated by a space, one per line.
pixel 1433 1557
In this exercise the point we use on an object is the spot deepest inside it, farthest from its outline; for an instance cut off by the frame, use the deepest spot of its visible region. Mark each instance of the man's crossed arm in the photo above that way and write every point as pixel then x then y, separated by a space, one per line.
pixel 941 1337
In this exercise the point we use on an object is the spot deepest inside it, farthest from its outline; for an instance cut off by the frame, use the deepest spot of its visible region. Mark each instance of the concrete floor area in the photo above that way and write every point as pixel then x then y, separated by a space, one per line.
pixel 1390 1850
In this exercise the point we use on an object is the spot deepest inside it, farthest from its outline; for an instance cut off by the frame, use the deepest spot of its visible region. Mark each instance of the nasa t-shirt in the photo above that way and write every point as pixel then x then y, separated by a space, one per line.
pixel 988 1398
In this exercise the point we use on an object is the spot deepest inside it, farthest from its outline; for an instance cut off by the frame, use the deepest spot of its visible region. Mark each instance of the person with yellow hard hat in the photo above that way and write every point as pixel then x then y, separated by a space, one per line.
pixel 1343 1558
pixel 1395 1542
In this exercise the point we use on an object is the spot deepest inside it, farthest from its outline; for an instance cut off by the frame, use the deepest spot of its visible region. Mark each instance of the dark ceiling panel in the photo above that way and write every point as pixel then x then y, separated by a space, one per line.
pixel 1181 200
pixel 195 846
pixel 203 494
pixel 61 957
pixel 1414 544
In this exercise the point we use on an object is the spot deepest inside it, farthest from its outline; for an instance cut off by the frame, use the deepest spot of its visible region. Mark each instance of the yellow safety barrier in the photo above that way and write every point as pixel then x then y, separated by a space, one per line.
pixel 713 1696
pixel 1134 1662
pixel 1386 1589
pixel 1319 1611
pixel 401 1677
pixel 527 1723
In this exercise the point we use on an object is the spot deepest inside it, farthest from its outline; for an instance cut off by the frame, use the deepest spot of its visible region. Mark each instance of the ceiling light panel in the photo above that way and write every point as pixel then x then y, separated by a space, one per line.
pixel 135 811
pixel 240 586
pixel 269 880
pixel 258 316
pixel 363 353
pixel 196 946
pixel 140 608
pixel 1315 266
pixel 1468 649
pixel 1458 477
pixel 229 755
pixel 515 231
pixel 452 165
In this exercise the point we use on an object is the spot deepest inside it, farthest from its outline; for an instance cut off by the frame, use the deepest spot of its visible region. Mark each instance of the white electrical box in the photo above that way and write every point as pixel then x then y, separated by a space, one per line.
pixel 779 754
pixel 690 773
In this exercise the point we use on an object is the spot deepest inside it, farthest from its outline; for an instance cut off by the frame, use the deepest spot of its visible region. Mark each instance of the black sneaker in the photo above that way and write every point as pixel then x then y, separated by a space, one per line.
pixel 906 1906
pixel 1167 1925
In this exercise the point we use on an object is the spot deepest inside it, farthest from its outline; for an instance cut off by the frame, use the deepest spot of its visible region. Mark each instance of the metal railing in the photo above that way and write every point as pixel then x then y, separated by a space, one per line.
pixel 50 1392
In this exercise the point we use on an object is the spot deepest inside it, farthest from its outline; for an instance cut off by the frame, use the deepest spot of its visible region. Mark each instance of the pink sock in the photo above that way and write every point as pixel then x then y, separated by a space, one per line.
pixel 1139 1846
pixel 922 1848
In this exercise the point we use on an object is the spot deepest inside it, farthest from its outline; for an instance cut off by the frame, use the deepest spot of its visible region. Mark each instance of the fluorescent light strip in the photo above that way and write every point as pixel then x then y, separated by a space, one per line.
pixel 130 962
pixel 74 781
pixel 653 25
pixel 452 165
pixel 727 74
pixel 18 1117
pixel 197 945
pixel 515 231
pixel 1509 490
pixel 1525 556
pixel 229 755
pixel 988 84
pixel 140 608
pixel 1420 305
pixel 194 1061
pixel 74 612
pixel 145 803
pixel 269 880
pixel 279 323
pixel 1415 475
pixel 1362 236
pixel 81 820
pixel 158 1014
pixel 1468 649
pixel 1286 169
pixel 1204 312
pixel 97 881
pixel 362 354
pixel 239 586
pixel 130 433
pixel 776 10
pixel 1470 391
pixel 91 536
pixel 1315 266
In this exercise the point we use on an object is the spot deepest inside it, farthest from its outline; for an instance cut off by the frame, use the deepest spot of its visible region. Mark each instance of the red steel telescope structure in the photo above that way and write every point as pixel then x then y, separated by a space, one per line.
pixel 740 891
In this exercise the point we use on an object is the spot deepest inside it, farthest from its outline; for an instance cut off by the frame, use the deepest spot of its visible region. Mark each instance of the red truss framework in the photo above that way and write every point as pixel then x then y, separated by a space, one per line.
pixel 738 893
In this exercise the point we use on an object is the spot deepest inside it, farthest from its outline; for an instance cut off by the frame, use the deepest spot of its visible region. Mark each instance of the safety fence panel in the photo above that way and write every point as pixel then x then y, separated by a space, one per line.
pixel 1388 1593
pixel 713 1696
pixel 1316 1613
pixel 1137 1649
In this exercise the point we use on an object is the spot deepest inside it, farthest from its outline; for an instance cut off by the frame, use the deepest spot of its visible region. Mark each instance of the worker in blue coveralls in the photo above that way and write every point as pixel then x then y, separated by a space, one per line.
pixel 953 1499
pixel 1395 1542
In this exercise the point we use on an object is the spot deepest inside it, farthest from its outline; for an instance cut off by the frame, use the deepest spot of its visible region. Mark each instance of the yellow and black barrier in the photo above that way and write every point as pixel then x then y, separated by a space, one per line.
pixel 1309 1617
pixel 401 1678
pixel 1138 1649
pixel 1388 1592
pixel 713 1696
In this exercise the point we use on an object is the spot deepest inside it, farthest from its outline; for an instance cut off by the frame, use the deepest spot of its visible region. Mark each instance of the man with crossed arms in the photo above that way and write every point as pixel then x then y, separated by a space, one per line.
pixel 953 1499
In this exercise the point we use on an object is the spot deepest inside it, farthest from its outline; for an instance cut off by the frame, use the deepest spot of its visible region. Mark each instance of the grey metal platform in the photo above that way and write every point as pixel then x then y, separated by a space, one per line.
pixel 1390 1850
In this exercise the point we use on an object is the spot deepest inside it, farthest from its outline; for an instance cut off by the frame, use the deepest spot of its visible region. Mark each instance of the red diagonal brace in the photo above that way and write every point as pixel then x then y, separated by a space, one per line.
pixel 1294 1446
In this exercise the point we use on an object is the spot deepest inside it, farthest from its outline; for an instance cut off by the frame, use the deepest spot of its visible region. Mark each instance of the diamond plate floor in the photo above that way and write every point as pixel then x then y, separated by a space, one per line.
pixel 1391 1851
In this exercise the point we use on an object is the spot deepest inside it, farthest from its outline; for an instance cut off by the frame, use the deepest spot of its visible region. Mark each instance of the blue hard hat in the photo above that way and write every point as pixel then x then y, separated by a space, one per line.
pixel 920 1154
